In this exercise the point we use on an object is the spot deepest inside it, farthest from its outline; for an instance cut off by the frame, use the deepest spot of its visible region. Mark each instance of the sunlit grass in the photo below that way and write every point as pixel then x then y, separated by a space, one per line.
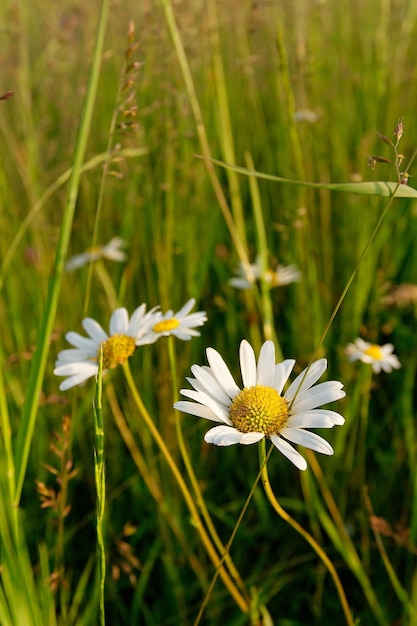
pixel 298 91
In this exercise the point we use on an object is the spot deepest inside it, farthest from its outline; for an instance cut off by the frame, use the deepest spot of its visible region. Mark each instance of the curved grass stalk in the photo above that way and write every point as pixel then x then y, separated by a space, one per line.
pixel 100 480
pixel 340 537
pixel 385 189
pixel 211 551
pixel 29 412
pixel 301 531
pixel 194 482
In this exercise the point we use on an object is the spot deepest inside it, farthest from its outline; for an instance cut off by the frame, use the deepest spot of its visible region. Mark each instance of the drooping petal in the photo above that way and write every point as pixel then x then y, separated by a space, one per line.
pixel 287 450
pixel 247 364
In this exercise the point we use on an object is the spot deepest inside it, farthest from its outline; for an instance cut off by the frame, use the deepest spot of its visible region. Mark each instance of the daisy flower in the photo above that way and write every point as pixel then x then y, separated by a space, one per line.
pixel 180 324
pixel 111 250
pixel 261 409
pixel 283 275
pixel 81 362
pixel 380 357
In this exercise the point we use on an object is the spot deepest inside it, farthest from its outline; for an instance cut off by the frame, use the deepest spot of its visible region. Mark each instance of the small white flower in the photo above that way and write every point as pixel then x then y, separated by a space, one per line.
pixel 180 324
pixel 111 251
pixel 283 275
pixel 306 115
pixel 259 409
pixel 81 362
pixel 380 357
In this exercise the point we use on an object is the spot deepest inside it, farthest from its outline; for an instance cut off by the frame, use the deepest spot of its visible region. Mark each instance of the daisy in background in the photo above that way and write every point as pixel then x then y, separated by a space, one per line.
pixel 81 362
pixel 112 251
pixel 180 324
pixel 261 409
pixel 283 275
pixel 380 357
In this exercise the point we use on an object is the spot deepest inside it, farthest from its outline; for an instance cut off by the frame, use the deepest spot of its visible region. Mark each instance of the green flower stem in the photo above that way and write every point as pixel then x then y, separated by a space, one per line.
pixel 229 584
pixel 301 531
pixel 193 479
pixel 100 480
pixel 29 412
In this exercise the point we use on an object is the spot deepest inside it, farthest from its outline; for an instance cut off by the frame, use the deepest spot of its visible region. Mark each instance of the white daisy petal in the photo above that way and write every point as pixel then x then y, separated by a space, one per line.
pixel 320 394
pixel 210 384
pixel 76 372
pixel 80 342
pixel 282 373
pixel 247 364
pixel 307 439
pixel 203 398
pixel 186 308
pixel 266 365
pixel 309 419
pixel 222 373
pixel 119 322
pixel 318 418
pixel 69 369
pixel 94 330
pixel 287 450
pixel 306 379
pixel 75 355
pixel 223 436
pixel 72 381
pixel 196 409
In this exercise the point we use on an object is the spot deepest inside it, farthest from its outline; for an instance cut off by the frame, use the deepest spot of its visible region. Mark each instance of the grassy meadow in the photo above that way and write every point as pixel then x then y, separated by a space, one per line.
pixel 113 508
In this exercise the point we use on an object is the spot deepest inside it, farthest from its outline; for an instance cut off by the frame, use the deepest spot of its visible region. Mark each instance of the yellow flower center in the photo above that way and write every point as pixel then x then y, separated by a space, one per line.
pixel 271 278
pixel 166 325
pixel 259 409
pixel 374 352
pixel 116 350
pixel 94 249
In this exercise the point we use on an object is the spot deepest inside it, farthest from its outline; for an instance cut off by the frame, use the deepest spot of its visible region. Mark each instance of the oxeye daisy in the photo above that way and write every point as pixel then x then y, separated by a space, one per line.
pixel 380 357
pixel 261 409
pixel 81 362
pixel 180 324
pixel 112 251
pixel 282 275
